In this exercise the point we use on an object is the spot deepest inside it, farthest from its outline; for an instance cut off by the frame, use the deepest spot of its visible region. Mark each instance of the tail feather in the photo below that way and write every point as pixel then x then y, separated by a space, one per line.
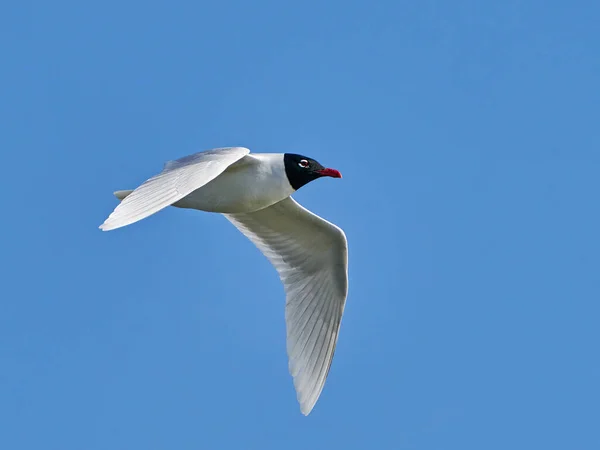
pixel 122 194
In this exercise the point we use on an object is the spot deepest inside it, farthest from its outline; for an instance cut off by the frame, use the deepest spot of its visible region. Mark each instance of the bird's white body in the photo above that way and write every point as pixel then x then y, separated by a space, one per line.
pixel 254 182
pixel 253 191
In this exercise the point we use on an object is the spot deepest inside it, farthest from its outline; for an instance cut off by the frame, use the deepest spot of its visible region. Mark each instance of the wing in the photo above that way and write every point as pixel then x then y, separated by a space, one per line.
pixel 178 179
pixel 311 257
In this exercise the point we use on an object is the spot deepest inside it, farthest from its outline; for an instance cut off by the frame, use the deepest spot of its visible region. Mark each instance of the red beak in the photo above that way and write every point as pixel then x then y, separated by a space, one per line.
pixel 330 173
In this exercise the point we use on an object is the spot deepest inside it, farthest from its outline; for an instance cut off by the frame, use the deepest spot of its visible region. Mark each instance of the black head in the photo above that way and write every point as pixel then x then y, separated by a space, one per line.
pixel 301 170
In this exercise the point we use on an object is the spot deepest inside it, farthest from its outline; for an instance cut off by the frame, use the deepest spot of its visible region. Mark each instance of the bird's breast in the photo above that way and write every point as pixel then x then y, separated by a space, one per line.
pixel 241 188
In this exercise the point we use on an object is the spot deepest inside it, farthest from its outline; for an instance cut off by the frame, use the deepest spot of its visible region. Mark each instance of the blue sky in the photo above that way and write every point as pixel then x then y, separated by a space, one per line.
pixel 467 133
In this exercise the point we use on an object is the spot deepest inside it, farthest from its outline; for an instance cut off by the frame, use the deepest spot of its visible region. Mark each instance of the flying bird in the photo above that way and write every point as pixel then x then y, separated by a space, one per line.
pixel 253 191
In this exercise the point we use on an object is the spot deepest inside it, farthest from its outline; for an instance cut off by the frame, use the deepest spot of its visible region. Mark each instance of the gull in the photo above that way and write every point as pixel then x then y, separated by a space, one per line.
pixel 253 191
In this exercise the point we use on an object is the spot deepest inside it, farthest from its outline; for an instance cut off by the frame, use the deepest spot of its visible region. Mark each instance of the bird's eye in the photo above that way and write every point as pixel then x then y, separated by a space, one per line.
pixel 303 163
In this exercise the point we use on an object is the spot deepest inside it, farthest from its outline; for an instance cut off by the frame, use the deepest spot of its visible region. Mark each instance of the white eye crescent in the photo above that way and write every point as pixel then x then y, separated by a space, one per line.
pixel 303 163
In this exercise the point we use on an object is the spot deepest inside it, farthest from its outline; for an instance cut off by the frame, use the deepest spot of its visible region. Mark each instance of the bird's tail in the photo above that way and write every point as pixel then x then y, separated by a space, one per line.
pixel 122 194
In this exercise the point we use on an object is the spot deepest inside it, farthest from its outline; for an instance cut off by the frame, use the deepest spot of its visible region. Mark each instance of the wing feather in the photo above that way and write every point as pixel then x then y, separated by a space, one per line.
pixel 177 179
pixel 311 256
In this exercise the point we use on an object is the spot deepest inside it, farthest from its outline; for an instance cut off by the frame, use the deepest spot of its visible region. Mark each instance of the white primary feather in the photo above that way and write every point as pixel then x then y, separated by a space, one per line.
pixel 178 179
pixel 311 256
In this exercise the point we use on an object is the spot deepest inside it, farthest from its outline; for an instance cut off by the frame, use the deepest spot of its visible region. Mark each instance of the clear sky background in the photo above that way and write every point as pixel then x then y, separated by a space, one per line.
pixel 468 134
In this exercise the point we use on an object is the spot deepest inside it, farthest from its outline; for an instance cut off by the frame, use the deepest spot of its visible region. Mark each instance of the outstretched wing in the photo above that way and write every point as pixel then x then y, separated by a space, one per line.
pixel 178 179
pixel 311 256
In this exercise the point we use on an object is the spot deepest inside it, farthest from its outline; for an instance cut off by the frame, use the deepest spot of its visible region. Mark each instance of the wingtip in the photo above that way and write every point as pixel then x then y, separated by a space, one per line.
pixel 305 410
pixel 107 226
